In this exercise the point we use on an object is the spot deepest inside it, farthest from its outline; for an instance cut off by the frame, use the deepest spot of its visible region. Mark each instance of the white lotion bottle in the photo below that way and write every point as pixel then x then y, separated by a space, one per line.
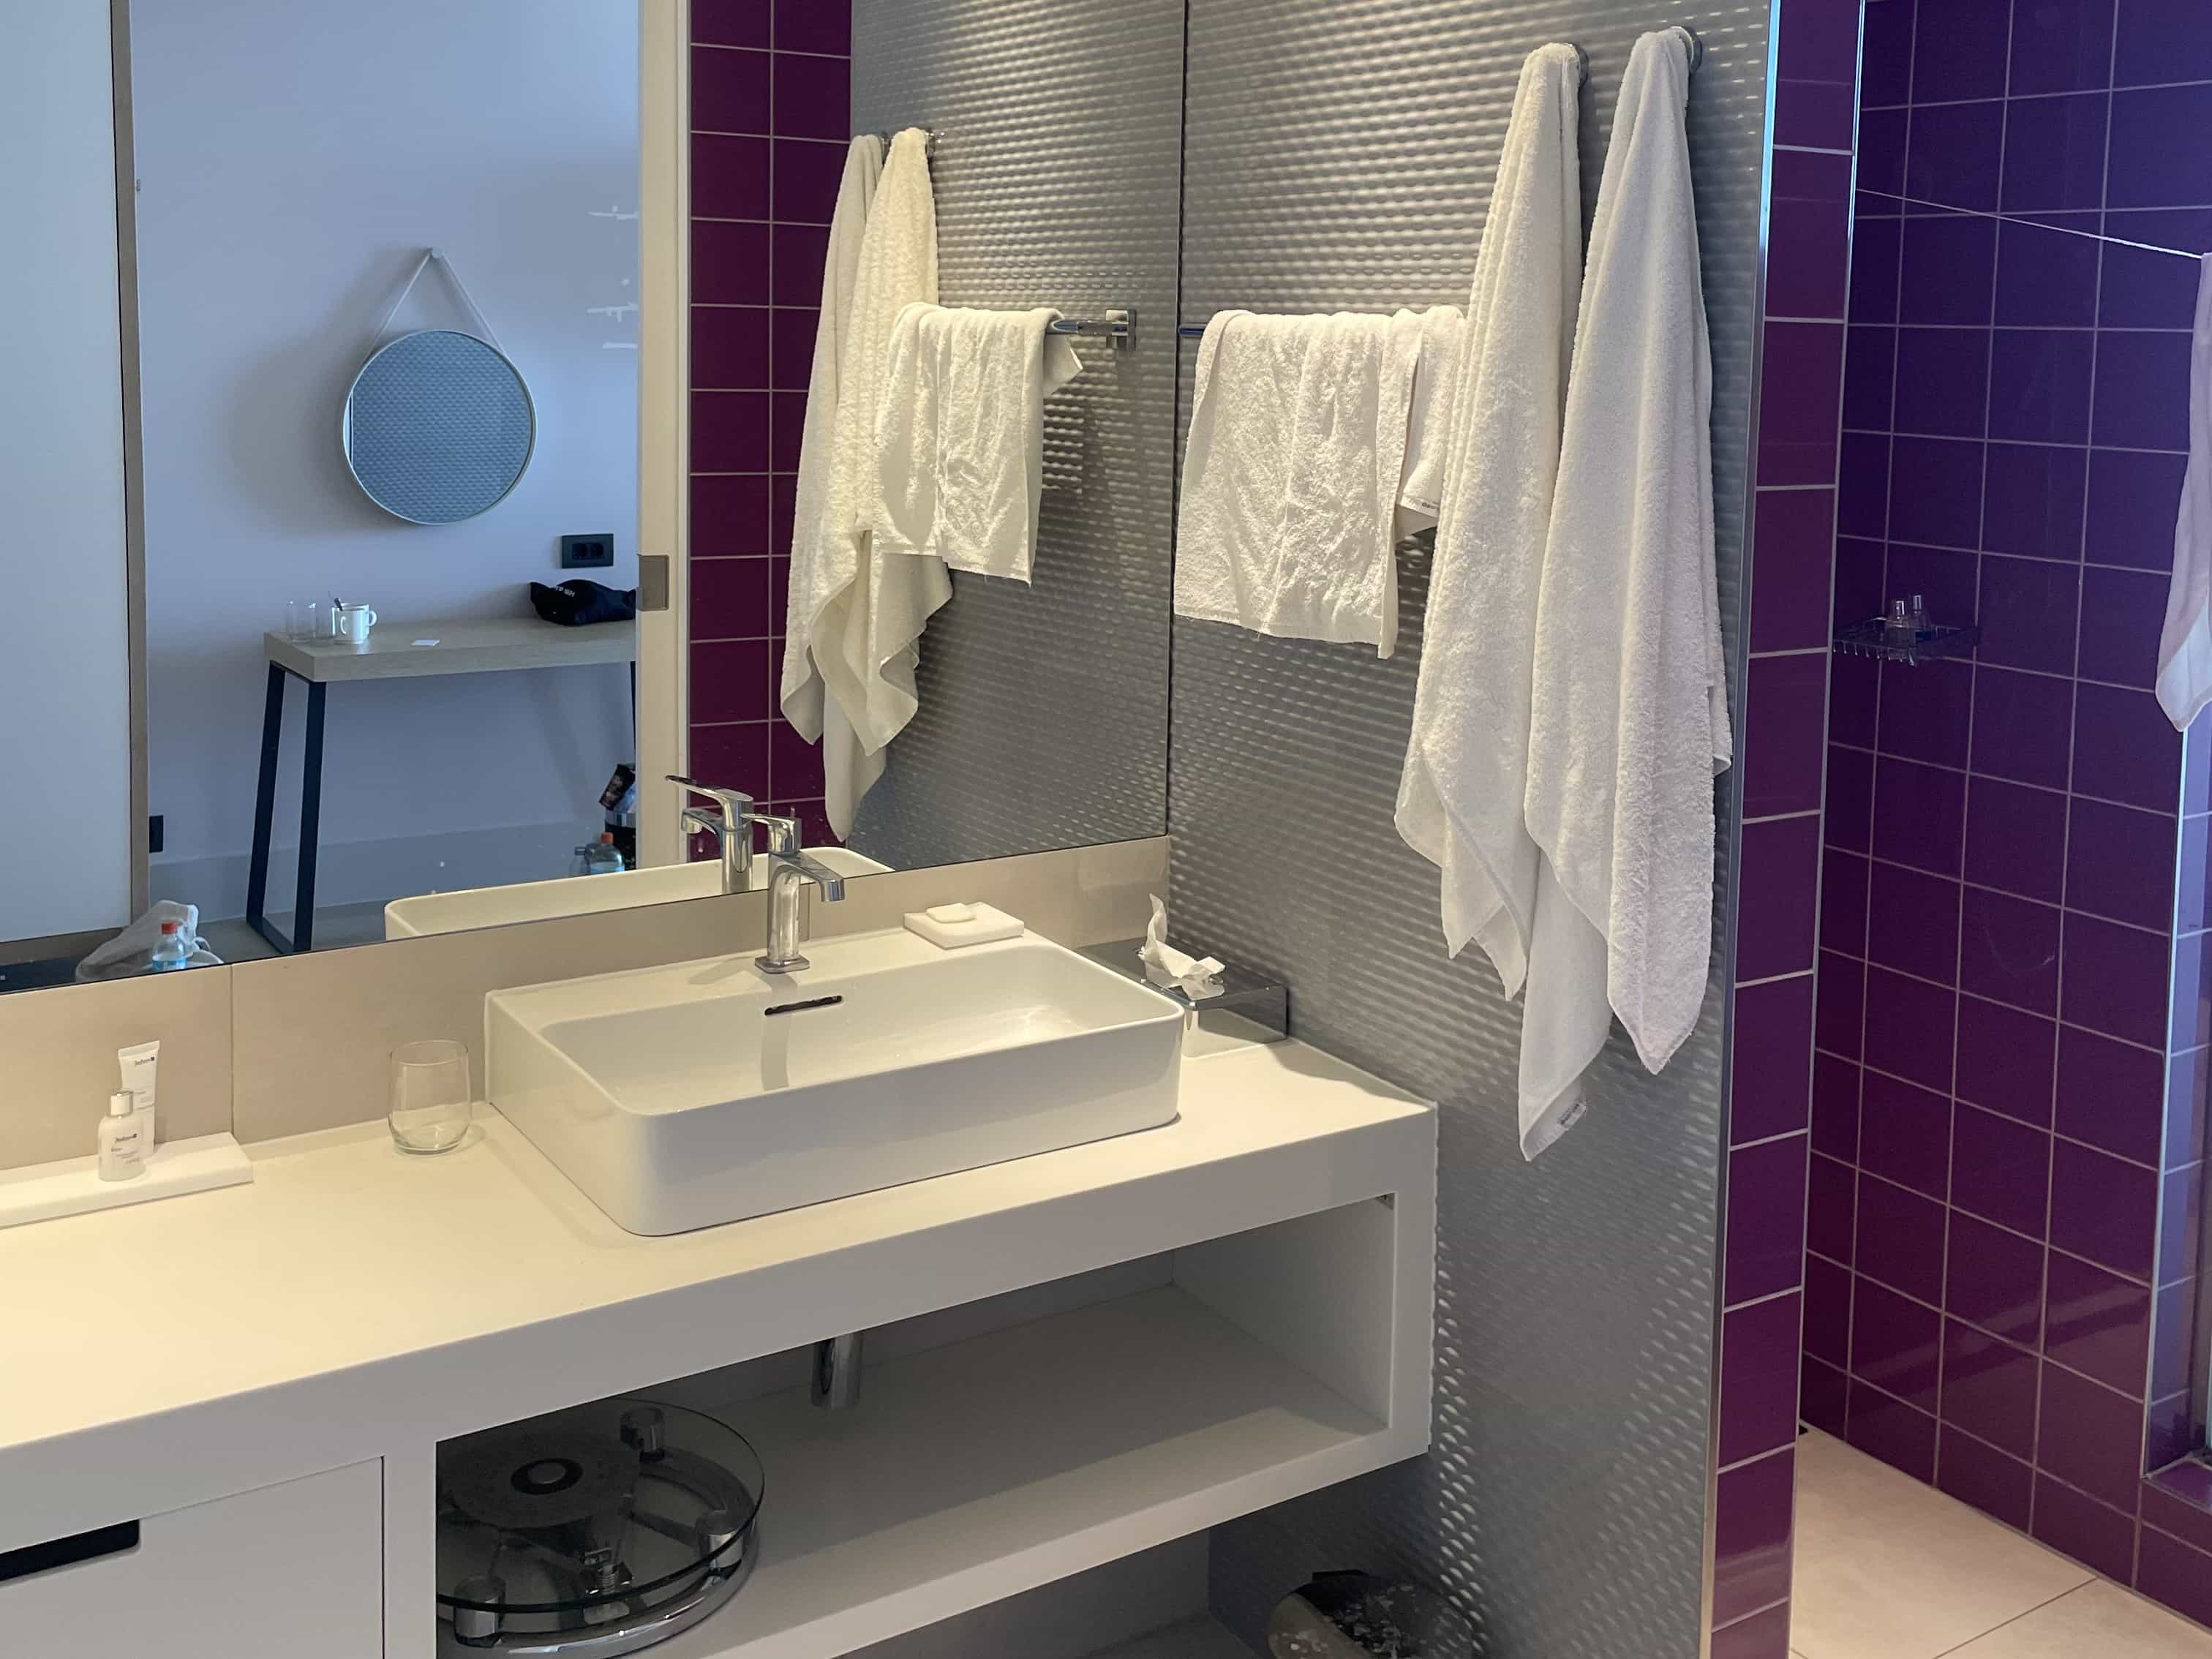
pixel 122 1138
pixel 138 1062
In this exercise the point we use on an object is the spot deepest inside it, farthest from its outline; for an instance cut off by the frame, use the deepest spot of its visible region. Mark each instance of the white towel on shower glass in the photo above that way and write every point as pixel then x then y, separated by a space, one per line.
pixel 820 561
pixel 1466 759
pixel 868 609
pixel 1629 718
pixel 2184 650
pixel 1290 476
pixel 960 436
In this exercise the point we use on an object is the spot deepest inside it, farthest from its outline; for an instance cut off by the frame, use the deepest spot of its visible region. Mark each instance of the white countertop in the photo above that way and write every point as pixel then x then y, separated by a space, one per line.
pixel 354 1297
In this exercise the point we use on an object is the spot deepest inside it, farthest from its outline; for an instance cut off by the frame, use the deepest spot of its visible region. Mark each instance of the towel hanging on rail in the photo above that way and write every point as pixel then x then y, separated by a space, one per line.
pixel 1467 756
pixel 820 558
pixel 862 613
pixel 959 441
pixel 1290 476
pixel 2184 651
pixel 1629 710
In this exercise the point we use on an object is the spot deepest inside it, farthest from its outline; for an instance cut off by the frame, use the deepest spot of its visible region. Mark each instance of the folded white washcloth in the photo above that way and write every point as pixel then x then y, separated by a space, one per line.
pixel 2184 650
pixel 960 436
pixel 1629 710
pixel 1290 476
pixel 1467 757
pixel 1437 332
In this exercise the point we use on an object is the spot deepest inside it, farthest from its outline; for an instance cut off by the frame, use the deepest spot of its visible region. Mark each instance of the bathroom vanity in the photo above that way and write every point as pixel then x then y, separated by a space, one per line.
pixel 1073 1356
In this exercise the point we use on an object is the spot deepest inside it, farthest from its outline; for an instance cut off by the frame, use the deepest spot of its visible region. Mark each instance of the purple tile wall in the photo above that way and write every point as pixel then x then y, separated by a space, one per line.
pixel 770 110
pixel 1792 537
pixel 2004 986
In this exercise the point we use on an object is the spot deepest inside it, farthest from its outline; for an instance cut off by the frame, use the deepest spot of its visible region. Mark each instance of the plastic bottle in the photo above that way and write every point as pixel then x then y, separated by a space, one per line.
pixel 170 951
pixel 121 1140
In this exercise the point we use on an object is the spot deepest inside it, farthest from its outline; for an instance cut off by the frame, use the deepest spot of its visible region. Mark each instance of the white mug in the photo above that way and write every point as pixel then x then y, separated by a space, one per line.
pixel 353 622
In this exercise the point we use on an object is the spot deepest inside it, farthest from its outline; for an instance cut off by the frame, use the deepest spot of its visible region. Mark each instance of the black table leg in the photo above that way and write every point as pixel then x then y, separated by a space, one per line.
pixel 311 817
pixel 264 811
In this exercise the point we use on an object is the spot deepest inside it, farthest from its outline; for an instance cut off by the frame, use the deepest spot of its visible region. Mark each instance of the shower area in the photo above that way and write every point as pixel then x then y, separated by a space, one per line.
pixel 2004 1185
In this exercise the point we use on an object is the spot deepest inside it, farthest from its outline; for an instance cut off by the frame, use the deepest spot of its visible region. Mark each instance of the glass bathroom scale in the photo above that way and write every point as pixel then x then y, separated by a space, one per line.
pixel 593 1531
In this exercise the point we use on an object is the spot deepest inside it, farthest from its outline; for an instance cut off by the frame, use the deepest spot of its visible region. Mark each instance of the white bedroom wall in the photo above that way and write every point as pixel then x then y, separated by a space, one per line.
pixel 66 748
pixel 294 161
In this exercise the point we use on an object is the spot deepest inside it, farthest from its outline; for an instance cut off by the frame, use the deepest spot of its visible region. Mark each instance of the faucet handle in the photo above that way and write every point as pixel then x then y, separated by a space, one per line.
pixel 783 833
pixel 831 885
pixel 700 818
pixel 736 806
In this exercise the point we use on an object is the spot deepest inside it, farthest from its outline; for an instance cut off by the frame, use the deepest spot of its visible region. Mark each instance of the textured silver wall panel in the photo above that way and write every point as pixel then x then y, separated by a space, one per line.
pixel 1044 710
pixel 1339 154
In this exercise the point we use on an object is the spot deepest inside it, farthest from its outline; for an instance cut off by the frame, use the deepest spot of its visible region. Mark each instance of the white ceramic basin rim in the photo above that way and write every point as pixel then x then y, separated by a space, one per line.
pixel 707 1091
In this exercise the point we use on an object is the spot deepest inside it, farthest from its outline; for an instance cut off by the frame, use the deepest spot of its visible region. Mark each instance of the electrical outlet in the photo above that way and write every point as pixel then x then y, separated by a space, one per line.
pixel 587 552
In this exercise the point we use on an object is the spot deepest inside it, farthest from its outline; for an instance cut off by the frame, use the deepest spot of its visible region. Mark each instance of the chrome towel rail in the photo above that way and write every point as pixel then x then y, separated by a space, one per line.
pixel 1118 326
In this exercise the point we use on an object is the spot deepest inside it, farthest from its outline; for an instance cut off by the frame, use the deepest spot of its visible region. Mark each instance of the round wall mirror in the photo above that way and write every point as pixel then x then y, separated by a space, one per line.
pixel 439 426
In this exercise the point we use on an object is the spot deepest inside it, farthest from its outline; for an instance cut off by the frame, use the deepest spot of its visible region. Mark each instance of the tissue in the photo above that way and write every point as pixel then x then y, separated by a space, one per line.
pixel 1170 968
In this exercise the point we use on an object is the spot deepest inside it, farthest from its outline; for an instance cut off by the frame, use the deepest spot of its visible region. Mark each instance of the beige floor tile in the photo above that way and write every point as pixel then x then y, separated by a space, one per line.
pixel 2100 1619
pixel 1888 1568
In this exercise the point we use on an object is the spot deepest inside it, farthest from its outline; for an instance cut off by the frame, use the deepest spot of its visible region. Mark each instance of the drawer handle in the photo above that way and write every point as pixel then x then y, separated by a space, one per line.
pixel 67 1551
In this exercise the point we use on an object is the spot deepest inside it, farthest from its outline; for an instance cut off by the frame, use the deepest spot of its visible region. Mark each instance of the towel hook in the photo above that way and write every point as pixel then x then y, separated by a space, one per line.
pixel 1697 46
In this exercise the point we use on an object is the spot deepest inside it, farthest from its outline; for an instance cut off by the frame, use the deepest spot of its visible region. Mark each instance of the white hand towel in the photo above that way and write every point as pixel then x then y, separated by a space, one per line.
pixel 1439 332
pixel 821 553
pixel 1290 476
pixel 1629 718
pixel 863 614
pixel 960 436
pixel 2184 651
pixel 1467 758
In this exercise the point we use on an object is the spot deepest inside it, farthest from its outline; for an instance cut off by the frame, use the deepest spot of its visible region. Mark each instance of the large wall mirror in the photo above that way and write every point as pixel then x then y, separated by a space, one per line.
pixel 290 706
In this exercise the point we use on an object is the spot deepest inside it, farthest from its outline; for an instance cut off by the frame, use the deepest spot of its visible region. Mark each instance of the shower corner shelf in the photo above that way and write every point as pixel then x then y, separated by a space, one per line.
pixel 1869 639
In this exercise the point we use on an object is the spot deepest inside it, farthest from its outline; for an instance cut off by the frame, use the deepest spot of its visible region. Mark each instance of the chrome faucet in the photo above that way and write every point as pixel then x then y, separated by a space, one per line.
pixel 731 822
pixel 788 871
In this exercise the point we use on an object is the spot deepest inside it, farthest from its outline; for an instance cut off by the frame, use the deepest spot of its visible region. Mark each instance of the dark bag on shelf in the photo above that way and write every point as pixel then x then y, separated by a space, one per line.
pixel 574 603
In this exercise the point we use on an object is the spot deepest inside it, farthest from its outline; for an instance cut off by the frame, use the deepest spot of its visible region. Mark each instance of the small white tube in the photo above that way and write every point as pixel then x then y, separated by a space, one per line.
pixel 138 1063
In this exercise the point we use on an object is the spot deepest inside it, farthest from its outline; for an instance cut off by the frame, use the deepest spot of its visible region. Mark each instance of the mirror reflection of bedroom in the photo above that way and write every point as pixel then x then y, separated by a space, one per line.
pixel 386 379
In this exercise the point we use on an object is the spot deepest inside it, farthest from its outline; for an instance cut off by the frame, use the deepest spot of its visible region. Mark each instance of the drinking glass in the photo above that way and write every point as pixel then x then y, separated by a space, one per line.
pixel 430 1095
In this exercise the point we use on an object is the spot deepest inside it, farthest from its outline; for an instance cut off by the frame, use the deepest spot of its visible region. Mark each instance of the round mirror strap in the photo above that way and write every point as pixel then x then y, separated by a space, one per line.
pixel 461 287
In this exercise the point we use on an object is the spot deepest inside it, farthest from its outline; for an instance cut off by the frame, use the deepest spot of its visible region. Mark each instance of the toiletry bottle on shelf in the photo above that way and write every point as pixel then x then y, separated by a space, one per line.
pixel 138 1064
pixel 1922 627
pixel 1897 630
pixel 122 1141
pixel 170 949
pixel 619 801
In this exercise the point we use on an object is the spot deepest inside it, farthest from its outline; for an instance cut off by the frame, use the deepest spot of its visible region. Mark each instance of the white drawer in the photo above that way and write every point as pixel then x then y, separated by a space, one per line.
pixel 293 1568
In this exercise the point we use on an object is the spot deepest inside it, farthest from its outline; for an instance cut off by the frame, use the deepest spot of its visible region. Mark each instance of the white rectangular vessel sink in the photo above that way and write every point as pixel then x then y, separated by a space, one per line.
pixel 702 1092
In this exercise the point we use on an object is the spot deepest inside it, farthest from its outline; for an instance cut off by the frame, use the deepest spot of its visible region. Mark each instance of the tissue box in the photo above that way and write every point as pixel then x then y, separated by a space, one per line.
pixel 1249 1007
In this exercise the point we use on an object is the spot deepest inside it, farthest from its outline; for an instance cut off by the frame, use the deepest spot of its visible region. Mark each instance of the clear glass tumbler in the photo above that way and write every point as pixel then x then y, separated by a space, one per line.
pixel 430 1095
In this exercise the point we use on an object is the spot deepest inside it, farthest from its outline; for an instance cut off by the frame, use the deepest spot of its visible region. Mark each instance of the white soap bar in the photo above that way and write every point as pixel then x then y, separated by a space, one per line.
pixel 974 924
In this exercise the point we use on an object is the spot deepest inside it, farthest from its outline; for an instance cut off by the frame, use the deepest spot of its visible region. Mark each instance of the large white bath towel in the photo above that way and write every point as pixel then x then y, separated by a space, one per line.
pixel 1629 718
pixel 960 436
pixel 1290 476
pixel 863 613
pixel 2184 651
pixel 1466 759
pixel 821 560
